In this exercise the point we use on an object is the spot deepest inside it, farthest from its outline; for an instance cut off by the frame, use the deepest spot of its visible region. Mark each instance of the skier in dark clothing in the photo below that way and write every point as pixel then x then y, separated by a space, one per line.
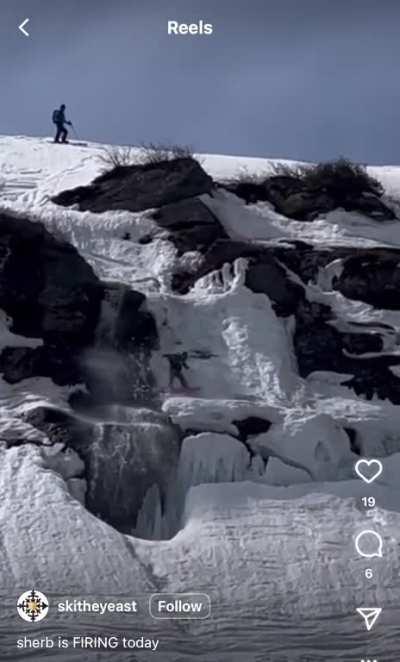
pixel 176 364
pixel 60 122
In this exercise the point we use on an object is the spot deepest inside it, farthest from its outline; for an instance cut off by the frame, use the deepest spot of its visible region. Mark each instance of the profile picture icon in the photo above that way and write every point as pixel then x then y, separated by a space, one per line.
pixel 32 606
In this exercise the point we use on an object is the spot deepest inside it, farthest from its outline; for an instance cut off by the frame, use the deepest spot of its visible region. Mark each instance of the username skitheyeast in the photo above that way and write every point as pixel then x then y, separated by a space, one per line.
pixel 99 607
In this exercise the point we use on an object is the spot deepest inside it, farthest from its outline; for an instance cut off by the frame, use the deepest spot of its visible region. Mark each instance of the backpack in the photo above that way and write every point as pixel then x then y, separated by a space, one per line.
pixel 56 117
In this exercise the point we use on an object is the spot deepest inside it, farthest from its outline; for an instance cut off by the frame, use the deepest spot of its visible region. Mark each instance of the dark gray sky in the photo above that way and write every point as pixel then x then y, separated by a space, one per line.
pixel 310 79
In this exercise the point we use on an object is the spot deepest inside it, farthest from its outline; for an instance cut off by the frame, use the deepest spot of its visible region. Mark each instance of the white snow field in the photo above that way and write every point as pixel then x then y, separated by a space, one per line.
pixel 272 543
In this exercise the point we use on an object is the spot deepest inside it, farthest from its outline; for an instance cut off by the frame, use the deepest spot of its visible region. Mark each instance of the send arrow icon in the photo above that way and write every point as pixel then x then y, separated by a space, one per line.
pixel 22 27
pixel 370 616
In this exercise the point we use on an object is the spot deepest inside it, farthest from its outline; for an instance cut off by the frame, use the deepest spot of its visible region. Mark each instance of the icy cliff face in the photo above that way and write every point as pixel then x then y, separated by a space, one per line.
pixel 291 374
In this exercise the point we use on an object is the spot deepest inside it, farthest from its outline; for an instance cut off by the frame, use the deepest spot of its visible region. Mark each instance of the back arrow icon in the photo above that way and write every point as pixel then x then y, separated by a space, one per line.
pixel 22 27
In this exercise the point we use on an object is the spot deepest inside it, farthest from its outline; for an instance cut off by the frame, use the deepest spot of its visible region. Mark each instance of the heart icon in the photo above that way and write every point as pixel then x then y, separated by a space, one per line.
pixel 369 470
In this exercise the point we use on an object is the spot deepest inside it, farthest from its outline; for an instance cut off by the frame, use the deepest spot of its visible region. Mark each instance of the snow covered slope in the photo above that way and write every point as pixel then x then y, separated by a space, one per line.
pixel 262 505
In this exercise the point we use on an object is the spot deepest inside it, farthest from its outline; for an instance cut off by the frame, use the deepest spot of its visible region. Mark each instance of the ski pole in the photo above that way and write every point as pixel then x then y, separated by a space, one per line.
pixel 75 132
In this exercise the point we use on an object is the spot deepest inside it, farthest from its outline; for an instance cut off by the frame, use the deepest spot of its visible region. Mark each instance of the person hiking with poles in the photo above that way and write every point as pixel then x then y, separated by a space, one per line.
pixel 60 122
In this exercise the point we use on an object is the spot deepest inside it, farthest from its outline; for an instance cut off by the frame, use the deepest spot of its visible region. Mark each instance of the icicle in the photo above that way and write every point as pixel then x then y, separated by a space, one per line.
pixel 149 523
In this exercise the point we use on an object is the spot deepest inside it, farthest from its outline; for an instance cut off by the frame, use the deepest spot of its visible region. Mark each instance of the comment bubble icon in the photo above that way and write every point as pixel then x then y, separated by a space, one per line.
pixel 369 544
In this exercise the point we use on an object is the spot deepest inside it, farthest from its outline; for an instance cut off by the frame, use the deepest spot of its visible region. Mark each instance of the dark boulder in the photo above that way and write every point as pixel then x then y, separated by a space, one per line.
pixel 304 197
pixel 279 187
pixel 362 343
pixel 305 260
pixel 370 205
pixel 61 426
pixel 46 287
pixel 251 192
pixel 264 273
pixel 271 189
pixel 292 197
pixel 59 363
pixel 368 274
pixel 319 346
pixel 372 276
pixel 305 206
pixel 251 426
pixel 139 187
pixel 51 293
pixel 297 200
pixel 190 225
pixel 130 326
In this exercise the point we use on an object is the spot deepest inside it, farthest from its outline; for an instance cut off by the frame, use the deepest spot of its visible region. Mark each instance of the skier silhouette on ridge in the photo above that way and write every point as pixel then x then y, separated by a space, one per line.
pixel 60 121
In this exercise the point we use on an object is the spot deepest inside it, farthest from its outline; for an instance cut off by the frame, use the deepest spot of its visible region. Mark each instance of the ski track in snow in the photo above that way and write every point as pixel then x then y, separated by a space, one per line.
pixel 250 543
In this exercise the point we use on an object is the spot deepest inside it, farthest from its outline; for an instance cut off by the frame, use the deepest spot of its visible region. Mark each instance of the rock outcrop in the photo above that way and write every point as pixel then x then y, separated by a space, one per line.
pixel 264 273
pixel 295 198
pixel 138 187
pixel 372 276
pixel 189 224
pixel 129 454
pixel 127 325
pixel 60 363
pixel 46 287
pixel 50 293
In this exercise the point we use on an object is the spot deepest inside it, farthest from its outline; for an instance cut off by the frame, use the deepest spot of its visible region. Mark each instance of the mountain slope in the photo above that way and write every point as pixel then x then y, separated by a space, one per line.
pixel 244 481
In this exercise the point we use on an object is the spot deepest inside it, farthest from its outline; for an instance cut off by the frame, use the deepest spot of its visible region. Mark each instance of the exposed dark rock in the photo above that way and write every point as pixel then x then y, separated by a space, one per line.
pixel 362 343
pixel 117 367
pixel 355 445
pixel 251 192
pixel 179 215
pixel 146 239
pixel 49 292
pixel 123 459
pixel 264 273
pixel 368 274
pixel 139 187
pixel 376 378
pixel 57 362
pixel 300 258
pixel 251 426
pixel 133 328
pixel 307 205
pixel 296 198
pixel 305 260
pixel 372 276
pixel 317 344
pixel 291 197
pixel 273 189
pixel 267 276
pixel 320 347
pixel 279 187
pixel 370 205
pixel 46 287
pixel 190 225
pixel 61 426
